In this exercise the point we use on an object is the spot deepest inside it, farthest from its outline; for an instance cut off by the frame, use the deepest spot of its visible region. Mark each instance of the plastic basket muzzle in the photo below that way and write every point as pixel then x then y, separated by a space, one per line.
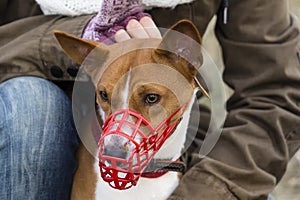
pixel 123 173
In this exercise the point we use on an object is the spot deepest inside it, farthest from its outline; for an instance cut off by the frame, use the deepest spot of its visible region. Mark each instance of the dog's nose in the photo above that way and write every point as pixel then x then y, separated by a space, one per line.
pixel 116 152
pixel 117 146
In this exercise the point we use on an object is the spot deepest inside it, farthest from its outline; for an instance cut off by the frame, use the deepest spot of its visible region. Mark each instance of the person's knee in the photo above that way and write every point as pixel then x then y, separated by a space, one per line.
pixel 37 112
pixel 37 136
pixel 26 95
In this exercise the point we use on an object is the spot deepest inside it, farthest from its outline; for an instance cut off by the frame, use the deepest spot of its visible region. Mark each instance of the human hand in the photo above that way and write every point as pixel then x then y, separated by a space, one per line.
pixel 144 28
pixel 114 16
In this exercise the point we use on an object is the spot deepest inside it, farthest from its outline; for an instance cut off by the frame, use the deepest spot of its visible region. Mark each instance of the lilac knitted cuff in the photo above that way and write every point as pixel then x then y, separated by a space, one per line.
pixel 113 16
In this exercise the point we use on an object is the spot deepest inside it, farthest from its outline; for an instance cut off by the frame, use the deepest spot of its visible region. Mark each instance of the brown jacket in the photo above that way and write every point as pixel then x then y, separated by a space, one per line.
pixel 261 50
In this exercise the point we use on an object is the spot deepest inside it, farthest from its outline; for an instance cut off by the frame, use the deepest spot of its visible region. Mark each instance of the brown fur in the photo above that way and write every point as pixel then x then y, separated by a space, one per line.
pixel 85 178
pixel 115 72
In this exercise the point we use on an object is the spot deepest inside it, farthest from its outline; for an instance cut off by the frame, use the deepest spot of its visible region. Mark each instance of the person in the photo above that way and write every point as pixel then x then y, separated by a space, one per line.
pixel 261 49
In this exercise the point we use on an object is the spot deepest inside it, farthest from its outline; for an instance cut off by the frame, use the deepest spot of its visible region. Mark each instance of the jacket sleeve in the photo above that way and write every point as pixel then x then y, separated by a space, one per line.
pixel 27 47
pixel 11 10
pixel 261 50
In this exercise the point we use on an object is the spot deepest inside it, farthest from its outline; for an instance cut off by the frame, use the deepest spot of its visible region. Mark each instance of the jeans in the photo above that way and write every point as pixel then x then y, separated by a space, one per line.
pixel 37 140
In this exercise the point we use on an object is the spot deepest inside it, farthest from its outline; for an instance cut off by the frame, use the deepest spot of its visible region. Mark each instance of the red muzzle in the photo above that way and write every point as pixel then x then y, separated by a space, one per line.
pixel 135 144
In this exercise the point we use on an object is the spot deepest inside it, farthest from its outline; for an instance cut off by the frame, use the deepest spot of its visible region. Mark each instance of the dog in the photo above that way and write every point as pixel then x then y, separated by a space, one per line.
pixel 144 109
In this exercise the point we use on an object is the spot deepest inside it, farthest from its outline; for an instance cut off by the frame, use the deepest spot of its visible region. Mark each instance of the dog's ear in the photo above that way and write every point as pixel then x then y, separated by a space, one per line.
pixel 78 49
pixel 183 41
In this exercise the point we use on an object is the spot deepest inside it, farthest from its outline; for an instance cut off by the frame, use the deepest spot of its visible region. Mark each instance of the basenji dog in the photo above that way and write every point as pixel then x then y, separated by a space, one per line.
pixel 144 99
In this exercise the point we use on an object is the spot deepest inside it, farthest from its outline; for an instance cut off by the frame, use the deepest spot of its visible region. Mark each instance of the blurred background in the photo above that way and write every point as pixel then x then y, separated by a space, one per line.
pixel 289 187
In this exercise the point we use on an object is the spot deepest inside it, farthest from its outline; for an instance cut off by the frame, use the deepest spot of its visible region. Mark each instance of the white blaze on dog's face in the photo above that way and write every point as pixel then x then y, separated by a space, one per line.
pixel 133 80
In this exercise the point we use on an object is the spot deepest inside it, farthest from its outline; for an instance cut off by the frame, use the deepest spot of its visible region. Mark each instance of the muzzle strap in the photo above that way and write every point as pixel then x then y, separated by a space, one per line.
pixel 166 165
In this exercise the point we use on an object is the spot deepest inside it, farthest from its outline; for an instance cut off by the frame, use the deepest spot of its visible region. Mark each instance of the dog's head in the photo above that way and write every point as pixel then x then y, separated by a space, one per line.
pixel 142 93
pixel 126 85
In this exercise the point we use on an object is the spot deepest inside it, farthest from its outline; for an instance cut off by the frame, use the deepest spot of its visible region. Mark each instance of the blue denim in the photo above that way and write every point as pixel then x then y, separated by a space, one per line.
pixel 37 140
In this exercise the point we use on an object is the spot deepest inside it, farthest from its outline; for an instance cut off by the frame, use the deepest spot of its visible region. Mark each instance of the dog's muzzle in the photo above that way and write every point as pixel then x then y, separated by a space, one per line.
pixel 137 143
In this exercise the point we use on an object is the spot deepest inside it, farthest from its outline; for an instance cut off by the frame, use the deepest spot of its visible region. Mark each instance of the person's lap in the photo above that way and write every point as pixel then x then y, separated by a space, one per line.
pixel 37 140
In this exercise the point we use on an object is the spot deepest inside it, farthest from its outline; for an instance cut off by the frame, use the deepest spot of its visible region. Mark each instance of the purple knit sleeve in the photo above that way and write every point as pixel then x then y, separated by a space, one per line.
pixel 113 16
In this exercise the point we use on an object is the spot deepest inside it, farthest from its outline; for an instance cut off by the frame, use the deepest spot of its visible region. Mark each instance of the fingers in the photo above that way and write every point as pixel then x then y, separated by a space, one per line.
pixel 150 27
pixel 136 30
pixel 121 36
pixel 145 28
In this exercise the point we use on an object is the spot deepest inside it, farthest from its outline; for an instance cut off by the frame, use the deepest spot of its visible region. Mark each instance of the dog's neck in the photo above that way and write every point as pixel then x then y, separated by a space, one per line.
pixel 153 188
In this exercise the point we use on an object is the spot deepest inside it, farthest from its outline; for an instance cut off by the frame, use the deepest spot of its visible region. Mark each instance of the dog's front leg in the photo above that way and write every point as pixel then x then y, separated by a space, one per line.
pixel 85 178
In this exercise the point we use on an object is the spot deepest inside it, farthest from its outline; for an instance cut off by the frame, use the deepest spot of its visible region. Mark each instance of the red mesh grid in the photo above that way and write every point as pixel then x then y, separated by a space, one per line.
pixel 122 173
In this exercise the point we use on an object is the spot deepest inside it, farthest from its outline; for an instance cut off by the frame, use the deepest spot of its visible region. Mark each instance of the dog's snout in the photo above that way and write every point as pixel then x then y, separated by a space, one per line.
pixel 116 146
pixel 115 152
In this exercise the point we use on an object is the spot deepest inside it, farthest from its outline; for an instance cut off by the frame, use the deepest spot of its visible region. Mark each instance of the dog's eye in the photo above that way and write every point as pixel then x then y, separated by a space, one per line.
pixel 103 96
pixel 151 99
